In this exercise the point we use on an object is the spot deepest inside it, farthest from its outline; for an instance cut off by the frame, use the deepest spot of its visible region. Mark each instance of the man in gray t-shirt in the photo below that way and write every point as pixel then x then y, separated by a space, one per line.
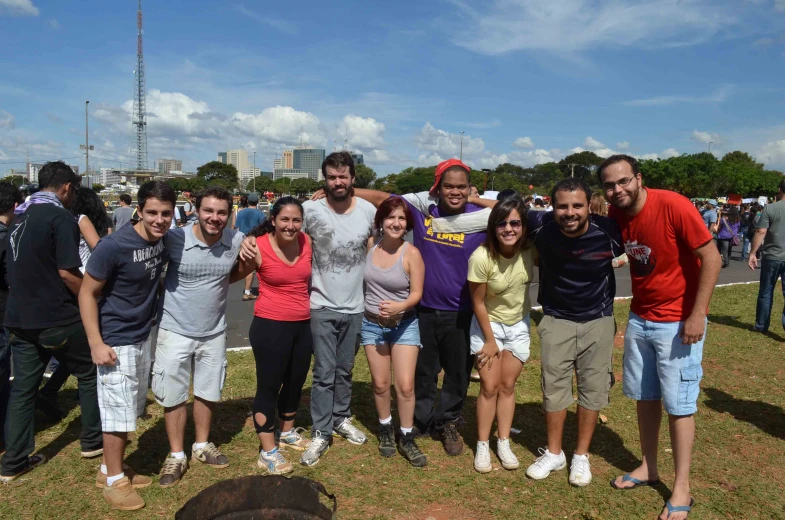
pixel 191 336
pixel 122 215
pixel 339 226
pixel 770 233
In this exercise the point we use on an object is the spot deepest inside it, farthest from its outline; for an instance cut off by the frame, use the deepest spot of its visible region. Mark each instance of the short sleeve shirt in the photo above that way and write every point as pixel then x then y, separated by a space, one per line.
pixel 659 242
pixel 42 240
pixel 577 281
pixel 709 217
pixel 773 218
pixel 247 219
pixel 446 256
pixel 507 283
pixel 197 281
pixel 131 267
pixel 339 242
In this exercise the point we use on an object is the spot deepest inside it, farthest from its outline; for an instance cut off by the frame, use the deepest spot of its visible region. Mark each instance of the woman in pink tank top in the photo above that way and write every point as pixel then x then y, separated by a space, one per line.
pixel 281 331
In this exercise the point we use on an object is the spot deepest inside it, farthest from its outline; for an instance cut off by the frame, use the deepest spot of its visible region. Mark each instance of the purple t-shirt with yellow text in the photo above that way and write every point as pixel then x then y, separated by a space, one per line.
pixel 446 258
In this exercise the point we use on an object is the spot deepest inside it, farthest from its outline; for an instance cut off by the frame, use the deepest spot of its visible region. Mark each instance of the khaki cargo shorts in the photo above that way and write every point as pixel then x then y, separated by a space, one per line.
pixel 587 349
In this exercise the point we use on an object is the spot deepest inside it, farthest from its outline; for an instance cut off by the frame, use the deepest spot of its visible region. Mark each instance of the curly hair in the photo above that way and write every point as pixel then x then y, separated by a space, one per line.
pixel 89 204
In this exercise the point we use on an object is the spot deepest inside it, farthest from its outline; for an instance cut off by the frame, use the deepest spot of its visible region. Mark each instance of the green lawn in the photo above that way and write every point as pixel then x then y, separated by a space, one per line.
pixel 736 472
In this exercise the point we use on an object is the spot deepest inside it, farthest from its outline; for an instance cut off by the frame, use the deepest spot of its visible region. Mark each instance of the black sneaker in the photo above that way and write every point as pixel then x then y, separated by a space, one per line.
pixel 411 451
pixel 386 440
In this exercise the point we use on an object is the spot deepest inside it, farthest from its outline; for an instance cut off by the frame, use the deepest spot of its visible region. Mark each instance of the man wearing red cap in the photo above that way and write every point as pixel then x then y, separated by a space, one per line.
pixel 445 311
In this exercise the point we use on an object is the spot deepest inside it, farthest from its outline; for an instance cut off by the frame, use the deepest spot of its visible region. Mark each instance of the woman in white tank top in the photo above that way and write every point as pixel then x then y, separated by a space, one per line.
pixel 394 276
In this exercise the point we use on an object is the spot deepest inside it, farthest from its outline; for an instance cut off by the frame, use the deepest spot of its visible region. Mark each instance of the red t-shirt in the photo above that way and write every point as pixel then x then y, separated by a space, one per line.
pixel 283 288
pixel 659 242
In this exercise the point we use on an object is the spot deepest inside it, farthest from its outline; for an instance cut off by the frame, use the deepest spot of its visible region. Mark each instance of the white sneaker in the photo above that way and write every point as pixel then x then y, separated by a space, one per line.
pixel 317 447
pixel 505 454
pixel 546 463
pixel 482 457
pixel 350 432
pixel 580 472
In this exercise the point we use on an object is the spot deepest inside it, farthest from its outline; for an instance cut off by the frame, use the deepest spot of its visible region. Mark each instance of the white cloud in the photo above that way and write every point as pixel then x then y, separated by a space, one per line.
pixel 670 152
pixel 604 152
pixel 649 156
pixel 54 24
pixel 577 149
pixel 705 137
pixel 772 152
pixel 624 145
pixel 6 120
pixel 533 157
pixel 281 125
pixel 718 96
pixel 570 26
pixel 493 123
pixel 523 142
pixel 362 132
pixel 445 144
pixel 18 8
pixel 591 142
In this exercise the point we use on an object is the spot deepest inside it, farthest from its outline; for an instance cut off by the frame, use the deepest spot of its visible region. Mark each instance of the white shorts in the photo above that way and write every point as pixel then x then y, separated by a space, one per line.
pixel 122 388
pixel 514 338
pixel 178 356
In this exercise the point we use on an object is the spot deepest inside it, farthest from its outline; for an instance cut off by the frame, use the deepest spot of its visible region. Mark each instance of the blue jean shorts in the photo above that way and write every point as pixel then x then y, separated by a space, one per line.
pixel 406 333
pixel 657 365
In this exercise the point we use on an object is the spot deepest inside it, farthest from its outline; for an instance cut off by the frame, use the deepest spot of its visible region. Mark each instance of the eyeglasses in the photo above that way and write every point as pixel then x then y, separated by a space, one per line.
pixel 515 224
pixel 610 186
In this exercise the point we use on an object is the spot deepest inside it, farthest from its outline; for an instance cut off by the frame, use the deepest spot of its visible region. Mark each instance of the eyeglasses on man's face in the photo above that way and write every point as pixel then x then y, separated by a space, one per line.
pixel 610 186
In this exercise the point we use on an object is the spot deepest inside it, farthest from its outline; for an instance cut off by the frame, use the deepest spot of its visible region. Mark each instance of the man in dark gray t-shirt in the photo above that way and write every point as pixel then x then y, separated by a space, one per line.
pixel 771 234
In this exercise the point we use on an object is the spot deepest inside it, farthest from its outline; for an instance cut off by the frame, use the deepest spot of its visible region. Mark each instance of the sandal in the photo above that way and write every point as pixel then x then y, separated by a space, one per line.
pixel 636 483
pixel 678 509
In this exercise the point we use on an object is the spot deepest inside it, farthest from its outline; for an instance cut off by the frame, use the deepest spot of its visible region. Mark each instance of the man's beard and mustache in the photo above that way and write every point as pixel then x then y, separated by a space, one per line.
pixel 632 198
pixel 564 224
pixel 340 197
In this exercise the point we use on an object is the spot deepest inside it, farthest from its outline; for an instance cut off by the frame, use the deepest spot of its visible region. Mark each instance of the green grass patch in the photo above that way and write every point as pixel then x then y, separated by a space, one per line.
pixel 738 454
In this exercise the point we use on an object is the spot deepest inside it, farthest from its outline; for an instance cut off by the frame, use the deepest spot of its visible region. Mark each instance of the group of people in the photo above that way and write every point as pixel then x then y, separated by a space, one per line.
pixel 428 283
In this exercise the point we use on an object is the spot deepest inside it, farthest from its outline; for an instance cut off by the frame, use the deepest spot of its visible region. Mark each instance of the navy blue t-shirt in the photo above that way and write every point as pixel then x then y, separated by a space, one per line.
pixel 577 281
pixel 248 219
pixel 132 268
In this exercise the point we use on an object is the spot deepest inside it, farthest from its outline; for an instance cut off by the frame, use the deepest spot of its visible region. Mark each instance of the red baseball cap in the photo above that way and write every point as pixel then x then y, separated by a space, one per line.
pixel 441 168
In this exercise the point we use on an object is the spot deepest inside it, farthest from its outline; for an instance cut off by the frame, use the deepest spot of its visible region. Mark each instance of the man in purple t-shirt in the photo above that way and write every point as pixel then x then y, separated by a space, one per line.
pixel 445 310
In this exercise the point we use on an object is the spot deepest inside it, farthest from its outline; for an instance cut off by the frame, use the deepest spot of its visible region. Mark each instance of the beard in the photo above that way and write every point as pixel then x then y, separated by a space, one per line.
pixel 563 225
pixel 632 198
pixel 340 197
pixel 207 232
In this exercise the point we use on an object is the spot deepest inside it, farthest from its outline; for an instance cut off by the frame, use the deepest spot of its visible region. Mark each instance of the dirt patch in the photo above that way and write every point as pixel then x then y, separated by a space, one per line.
pixel 440 511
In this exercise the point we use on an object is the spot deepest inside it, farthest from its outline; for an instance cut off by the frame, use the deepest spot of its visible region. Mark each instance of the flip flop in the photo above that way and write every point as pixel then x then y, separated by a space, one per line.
pixel 636 483
pixel 678 509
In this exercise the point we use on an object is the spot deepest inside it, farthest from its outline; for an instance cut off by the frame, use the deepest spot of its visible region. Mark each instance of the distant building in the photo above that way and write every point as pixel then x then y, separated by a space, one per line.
pixel 358 158
pixel 248 174
pixel 291 173
pixel 277 164
pixel 267 174
pixel 237 158
pixel 32 171
pixel 309 160
pixel 222 157
pixel 287 159
pixel 167 165
pixel 109 176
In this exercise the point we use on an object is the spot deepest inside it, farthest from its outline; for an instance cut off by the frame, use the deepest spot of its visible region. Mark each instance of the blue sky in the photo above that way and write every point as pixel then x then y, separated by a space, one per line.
pixel 528 81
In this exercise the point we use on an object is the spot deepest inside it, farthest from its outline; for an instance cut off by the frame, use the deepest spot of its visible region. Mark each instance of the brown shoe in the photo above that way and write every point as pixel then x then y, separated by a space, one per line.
pixel 211 456
pixel 137 481
pixel 33 461
pixel 122 496
pixel 452 440
pixel 172 472
pixel 247 297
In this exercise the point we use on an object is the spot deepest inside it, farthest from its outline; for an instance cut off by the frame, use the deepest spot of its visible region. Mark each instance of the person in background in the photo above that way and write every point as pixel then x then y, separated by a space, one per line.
pixel 122 215
pixel 499 275
pixel 280 333
pixel 473 191
pixel 240 206
pixel 539 205
pixel 506 194
pixel 727 231
pixel 393 276
pixel 248 219
pixel 770 239
pixel 43 250
pixel 189 209
pixel 10 199
pixel 709 214
pixel 597 205
pixel 674 267
pixel 751 220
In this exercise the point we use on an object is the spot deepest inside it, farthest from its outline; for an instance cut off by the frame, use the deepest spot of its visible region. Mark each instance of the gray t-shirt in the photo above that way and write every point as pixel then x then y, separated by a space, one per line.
pixel 197 282
pixel 122 216
pixel 339 244
pixel 773 218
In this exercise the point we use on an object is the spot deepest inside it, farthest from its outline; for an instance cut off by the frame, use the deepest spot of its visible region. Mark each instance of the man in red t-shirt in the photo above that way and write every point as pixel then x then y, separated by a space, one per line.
pixel 674 267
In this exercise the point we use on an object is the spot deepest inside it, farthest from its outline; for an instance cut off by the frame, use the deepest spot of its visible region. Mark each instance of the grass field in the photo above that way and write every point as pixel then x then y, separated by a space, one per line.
pixel 739 451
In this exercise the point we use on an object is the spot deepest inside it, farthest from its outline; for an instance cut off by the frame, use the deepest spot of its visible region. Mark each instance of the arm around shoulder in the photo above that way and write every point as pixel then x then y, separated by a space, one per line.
pixel 375 197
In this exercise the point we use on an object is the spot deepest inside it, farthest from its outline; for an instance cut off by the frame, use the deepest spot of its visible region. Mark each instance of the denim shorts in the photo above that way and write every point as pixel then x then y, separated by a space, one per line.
pixel 406 333
pixel 657 365
pixel 514 338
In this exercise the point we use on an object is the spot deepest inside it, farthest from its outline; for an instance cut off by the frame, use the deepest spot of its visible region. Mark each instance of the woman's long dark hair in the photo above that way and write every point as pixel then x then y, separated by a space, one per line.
pixel 89 204
pixel 268 226
pixel 500 212
pixel 732 215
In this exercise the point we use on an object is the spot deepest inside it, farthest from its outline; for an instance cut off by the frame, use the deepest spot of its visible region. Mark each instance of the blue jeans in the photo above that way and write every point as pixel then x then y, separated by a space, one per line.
pixel 770 271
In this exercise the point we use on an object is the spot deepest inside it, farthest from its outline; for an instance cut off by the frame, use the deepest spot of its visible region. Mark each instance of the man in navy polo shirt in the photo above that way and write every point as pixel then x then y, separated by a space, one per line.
pixel 577 286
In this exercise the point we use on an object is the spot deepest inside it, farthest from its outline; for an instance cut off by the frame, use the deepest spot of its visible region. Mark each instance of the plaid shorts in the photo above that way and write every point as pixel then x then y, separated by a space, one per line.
pixel 122 388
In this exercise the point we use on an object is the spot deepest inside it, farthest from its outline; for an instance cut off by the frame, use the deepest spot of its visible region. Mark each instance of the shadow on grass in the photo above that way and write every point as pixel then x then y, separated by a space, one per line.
pixel 732 321
pixel 764 416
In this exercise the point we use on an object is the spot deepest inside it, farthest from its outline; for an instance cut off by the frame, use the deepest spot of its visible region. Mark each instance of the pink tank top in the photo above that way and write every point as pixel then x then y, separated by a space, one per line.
pixel 283 288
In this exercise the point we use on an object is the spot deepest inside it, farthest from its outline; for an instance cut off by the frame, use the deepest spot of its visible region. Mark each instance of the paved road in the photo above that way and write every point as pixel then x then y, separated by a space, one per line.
pixel 240 313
